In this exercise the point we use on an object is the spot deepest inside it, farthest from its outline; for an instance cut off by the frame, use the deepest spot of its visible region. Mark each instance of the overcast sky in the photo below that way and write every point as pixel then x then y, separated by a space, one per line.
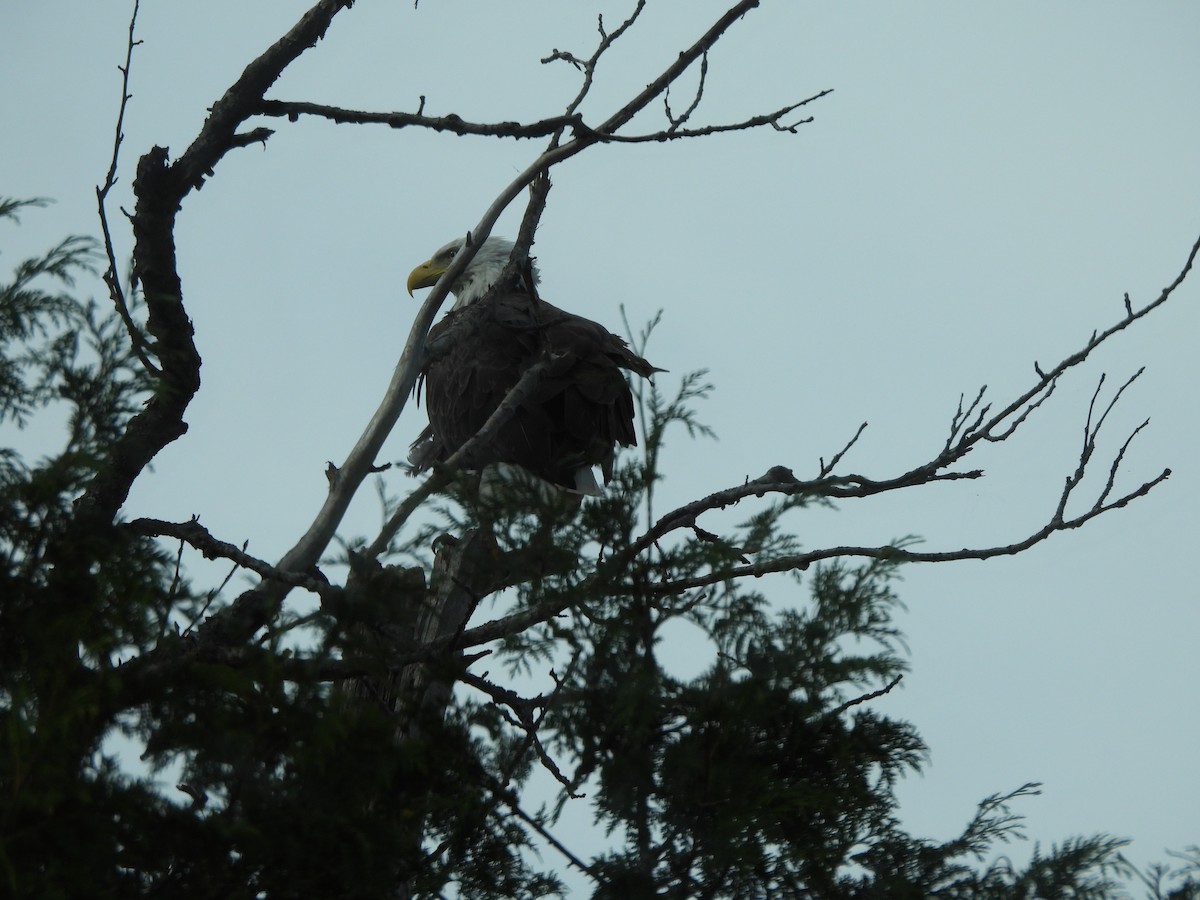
pixel 983 185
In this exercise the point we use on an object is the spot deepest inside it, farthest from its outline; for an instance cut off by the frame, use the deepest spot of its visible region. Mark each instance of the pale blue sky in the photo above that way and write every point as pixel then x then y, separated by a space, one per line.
pixel 982 187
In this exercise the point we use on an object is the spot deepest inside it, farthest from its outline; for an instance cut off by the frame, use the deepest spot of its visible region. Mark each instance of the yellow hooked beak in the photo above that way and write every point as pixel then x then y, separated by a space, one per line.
pixel 426 274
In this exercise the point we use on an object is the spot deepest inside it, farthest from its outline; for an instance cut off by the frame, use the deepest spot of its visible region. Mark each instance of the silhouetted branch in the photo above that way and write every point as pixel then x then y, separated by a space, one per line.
pixel 802 561
pixel 524 715
pixel 779 472
pixel 552 126
pixel 555 127
pixel 451 123
pixel 197 536
pixel 865 698
pixel 968 428
pixel 588 66
pixel 656 87
pixel 160 189
pixel 774 119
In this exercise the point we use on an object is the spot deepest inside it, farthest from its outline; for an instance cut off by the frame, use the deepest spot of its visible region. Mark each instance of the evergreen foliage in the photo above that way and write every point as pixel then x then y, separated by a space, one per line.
pixel 770 774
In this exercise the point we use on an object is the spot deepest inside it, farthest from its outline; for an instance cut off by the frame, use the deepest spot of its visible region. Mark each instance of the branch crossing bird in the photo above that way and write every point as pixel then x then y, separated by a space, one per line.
pixel 578 410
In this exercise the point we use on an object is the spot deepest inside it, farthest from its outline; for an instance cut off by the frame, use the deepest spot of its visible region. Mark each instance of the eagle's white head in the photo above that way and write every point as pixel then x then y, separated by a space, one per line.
pixel 485 267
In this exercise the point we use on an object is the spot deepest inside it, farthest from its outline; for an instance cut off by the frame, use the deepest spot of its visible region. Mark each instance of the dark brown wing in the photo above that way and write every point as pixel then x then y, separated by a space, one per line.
pixel 576 414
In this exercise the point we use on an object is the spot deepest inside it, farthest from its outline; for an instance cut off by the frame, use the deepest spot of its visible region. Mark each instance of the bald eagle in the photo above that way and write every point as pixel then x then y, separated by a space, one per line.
pixel 580 408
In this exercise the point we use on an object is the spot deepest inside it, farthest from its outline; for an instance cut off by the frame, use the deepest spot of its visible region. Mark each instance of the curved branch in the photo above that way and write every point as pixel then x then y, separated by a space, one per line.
pixel 969 427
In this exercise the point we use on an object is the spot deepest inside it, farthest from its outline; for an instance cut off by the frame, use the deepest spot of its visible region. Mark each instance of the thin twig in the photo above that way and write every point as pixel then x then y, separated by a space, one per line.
pixel 827 469
pixel 111 276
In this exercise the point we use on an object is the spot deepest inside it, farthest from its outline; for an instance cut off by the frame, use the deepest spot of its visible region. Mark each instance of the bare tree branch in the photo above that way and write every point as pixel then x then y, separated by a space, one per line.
pixel 588 66
pixel 1047 379
pixel 968 428
pixel 826 468
pixel 802 561
pixel 774 119
pixel 655 88
pixel 548 127
pixel 453 124
pixel 525 716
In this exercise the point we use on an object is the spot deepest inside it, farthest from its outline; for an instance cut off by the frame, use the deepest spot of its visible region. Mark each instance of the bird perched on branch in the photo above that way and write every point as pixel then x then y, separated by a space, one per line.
pixel 577 408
